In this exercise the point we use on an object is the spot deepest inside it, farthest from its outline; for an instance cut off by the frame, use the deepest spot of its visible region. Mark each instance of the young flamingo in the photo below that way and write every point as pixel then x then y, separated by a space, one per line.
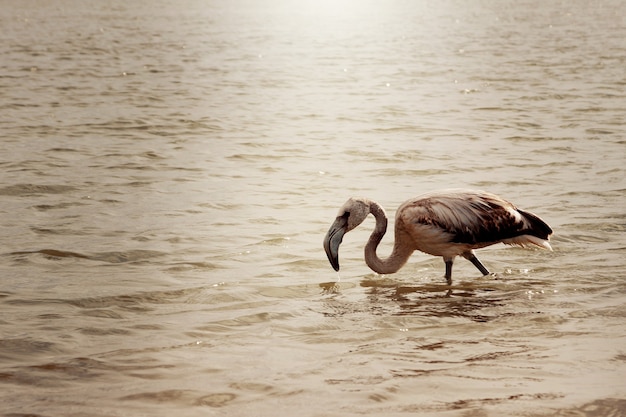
pixel 447 223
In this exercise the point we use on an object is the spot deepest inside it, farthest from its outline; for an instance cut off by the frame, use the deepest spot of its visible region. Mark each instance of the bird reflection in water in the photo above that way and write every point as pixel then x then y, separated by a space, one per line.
pixel 330 288
pixel 465 300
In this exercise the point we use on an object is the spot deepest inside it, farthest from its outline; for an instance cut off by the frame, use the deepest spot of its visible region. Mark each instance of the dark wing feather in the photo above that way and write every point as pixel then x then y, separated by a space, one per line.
pixel 538 227
pixel 474 218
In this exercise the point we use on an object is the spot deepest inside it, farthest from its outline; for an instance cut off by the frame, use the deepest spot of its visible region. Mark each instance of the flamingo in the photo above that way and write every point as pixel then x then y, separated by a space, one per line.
pixel 446 223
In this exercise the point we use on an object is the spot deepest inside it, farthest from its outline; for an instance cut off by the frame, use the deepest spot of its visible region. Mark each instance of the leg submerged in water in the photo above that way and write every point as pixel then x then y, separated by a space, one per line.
pixel 473 259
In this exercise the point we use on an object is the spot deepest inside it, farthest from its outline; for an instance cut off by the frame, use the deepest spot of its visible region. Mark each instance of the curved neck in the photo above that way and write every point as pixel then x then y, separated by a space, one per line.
pixel 402 249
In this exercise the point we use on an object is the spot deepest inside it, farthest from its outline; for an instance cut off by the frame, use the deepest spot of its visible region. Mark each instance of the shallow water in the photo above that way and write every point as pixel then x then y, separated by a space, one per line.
pixel 169 171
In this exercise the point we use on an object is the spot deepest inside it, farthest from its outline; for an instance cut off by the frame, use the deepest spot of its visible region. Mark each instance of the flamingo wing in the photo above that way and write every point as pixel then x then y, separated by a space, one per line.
pixel 474 218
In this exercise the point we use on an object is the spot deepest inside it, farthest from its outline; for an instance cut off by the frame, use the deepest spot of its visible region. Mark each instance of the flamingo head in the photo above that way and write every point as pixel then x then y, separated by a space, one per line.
pixel 350 215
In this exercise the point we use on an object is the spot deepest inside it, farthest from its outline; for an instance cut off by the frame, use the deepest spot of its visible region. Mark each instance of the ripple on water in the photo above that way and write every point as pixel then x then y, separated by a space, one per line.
pixel 183 397
pixel 21 190
pixel 12 347
pixel 108 257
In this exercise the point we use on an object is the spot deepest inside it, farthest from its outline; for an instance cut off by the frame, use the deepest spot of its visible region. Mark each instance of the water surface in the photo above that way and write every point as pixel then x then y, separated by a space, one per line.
pixel 169 170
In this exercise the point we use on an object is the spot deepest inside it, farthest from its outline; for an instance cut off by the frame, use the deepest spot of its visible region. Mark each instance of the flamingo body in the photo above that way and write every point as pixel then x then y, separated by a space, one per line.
pixel 447 223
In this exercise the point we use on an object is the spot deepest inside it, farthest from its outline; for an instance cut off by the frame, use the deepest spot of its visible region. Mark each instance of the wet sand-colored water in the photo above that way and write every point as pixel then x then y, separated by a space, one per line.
pixel 169 171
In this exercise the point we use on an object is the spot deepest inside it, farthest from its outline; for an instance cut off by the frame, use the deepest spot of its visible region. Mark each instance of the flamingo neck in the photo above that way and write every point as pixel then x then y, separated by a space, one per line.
pixel 402 249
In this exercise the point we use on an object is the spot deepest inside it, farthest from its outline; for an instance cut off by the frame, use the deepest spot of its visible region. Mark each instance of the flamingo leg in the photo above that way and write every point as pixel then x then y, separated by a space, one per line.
pixel 473 259
pixel 448 274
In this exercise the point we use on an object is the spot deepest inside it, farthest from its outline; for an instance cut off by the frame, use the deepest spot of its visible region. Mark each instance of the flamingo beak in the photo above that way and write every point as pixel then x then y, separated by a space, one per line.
pixel 333 240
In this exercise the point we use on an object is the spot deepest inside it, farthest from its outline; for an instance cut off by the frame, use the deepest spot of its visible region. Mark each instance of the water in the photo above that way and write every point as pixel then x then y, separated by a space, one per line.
pixel 169 170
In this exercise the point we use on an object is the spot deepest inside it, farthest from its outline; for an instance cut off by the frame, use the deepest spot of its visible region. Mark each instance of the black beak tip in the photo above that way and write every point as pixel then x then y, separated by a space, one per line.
pixel 332 240
pixel 334 261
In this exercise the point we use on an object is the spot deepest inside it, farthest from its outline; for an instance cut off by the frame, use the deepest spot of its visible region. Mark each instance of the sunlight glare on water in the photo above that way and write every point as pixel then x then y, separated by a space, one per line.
pixel 169 170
